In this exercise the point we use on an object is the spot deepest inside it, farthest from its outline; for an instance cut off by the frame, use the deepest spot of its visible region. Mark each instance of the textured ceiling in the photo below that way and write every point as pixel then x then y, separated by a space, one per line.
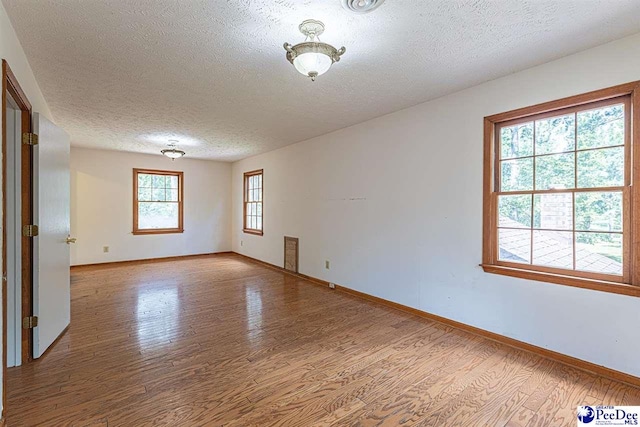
pixel 131 74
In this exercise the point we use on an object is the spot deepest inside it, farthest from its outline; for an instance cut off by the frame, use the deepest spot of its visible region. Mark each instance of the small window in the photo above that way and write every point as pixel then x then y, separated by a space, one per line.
pixel 558 190
pixel 253 202
pixel 157 202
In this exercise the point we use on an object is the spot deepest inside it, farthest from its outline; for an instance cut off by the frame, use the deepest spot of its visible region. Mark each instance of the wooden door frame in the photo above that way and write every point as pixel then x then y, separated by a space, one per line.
pixel 10 85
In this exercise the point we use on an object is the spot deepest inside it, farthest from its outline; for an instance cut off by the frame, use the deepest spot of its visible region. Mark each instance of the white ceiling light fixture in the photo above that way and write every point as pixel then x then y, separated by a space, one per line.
pixel 313 58
pixel 172 152
pixel 361 6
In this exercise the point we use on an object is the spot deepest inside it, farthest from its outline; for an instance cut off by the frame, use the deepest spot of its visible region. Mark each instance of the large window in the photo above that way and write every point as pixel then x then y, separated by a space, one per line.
pixel 558 191
pixel 157 201
pixel 253 202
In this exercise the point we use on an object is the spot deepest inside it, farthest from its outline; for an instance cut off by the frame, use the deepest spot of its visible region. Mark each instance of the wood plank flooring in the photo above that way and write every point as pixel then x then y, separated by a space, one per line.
pixel 219 340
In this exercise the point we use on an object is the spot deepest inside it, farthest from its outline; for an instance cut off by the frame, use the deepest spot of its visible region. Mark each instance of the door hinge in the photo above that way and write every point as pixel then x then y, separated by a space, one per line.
pixel 30 230
pixel 30 322
pixel 29 138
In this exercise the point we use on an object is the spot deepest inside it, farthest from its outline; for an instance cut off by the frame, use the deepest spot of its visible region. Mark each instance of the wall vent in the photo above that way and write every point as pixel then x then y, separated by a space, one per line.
pixel 291 254
pixel 361 6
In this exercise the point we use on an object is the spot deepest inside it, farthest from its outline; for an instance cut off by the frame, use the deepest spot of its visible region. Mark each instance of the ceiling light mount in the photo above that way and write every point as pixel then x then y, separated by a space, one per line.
pixel 312 57
pixel 311 28
pixel 172 152
pixel 361 6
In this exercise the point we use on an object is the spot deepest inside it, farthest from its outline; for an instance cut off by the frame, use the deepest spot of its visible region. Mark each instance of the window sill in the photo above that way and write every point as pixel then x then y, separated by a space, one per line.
pixel 578 282
pixel 159 231
pixel 250 231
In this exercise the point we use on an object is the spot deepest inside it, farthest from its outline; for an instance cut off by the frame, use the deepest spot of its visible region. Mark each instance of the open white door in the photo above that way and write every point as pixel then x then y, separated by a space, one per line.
pixel 51 262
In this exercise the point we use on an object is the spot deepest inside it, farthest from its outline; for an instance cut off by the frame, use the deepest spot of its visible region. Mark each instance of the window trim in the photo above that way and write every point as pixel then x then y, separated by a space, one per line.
pixel 245 180
pixel 180 228
pixel 629 283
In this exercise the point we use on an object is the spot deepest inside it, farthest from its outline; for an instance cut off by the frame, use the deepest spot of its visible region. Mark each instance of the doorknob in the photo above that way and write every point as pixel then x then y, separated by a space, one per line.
pixel 71 240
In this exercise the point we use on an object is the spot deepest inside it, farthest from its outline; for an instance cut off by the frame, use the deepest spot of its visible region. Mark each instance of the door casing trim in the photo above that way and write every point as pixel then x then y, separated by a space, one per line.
pixel 11 86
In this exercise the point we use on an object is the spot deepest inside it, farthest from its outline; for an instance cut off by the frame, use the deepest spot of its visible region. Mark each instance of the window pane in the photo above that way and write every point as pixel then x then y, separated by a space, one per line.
pixel 144 194
pixel 514 245
pixel 254 222
pixel 158 181
pixel 172 182
pixel 158 195
pixel 601 168
pixel 517 141
pixel 515 211
pixel 260 180
pixel 144 180
pixel 248 221
pixel 157 215
pixel 259 226
pixel 555 135
pixel 555 171
pixel 259 195
pixel 249 195
pixel 553 211
pixel 553 248
pixel 259 207
pixel 172 195
pixel 599 252
pixel 517 175
pixel 602 127
pixel 599 211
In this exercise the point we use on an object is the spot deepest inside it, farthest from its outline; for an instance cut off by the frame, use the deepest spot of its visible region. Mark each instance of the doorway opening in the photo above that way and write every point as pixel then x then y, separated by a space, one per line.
pixel 17 204
pixel 13 120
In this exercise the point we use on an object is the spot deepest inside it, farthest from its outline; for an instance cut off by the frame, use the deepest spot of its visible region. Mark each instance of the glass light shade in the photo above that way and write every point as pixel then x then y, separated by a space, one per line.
pixel 173 153
pixel 312 57
pixel 311 63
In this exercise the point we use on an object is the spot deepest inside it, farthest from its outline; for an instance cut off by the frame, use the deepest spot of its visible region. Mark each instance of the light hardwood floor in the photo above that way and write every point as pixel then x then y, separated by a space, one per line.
pixel 220 340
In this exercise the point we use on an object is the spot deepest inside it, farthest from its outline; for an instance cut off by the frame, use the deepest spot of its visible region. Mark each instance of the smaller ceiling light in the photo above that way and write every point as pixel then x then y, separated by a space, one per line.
pixel 312 57
pixel 172 152
pixel 361 6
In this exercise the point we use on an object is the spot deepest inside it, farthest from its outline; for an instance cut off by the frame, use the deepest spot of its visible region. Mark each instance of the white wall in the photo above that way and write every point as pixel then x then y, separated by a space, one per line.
pixel 395 204
pixel 102 207
pixel 11 51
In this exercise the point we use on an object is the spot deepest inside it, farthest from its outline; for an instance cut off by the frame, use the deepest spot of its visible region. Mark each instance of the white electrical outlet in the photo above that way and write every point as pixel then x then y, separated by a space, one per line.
pixel 332 285
pixel 105 249
pixel 326 265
